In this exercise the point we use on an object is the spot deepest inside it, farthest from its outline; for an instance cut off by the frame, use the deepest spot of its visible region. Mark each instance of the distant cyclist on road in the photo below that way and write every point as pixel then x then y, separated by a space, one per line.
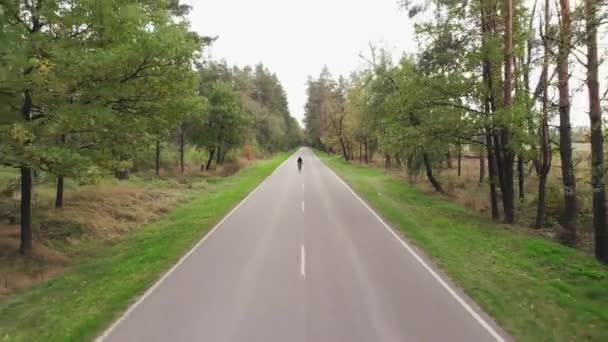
pixel 300 163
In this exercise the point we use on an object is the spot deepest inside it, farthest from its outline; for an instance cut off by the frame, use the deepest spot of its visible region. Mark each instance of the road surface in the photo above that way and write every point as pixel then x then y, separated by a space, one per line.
pixel 303 259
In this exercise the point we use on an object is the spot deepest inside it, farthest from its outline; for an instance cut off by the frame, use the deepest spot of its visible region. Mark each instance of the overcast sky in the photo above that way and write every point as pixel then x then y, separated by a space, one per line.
pixel 295 39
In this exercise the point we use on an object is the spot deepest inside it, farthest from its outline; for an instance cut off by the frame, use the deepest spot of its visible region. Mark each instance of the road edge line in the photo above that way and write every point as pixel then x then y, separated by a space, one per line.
pixel 151 289
pixel 497 336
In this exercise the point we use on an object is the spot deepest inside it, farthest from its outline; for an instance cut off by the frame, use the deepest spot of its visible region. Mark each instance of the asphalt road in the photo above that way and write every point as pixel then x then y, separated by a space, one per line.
pixel 303 259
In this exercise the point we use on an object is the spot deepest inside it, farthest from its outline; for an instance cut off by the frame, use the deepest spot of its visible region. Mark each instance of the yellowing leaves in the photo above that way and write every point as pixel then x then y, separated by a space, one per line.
pixel 45 67
pixel 19 134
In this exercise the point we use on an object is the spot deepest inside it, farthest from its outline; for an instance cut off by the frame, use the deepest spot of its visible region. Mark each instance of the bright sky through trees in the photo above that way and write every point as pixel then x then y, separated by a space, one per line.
pixel 296 38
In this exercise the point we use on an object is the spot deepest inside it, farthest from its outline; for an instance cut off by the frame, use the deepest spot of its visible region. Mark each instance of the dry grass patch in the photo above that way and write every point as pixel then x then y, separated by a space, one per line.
pixel 93 216
pixel 108 211
pixel 19 272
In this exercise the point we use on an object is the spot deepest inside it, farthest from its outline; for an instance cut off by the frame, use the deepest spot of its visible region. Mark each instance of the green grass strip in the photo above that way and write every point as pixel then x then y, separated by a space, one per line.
pixel 536 289
pixel 79 304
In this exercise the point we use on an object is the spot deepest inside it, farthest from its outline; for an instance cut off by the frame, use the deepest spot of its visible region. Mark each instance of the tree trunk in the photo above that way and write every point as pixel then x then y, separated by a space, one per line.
pixel 218 157
pixel 224 152
pixel 344 150
pixel 508 193
pixel 211 154
pixel 487 15
pixel 60 180
pixel 520 177
pixel 360 153
pixel 541 207
pixel 366 153
pixel 181 151
pixel 157 164
pixel 26 187
pixel 597 137
pixel 544 163
pixel 542 189
pixel 26 171
pixel 387 161
pixel 59 195
pixel 459 160
pixel 349 152
pixel 568 235
pixel 498 157
pixel 493 177
pixel 508 156
pixel 495 143
pixel 429 174
pixel 482 166
pixel 26 210
pixel 449 158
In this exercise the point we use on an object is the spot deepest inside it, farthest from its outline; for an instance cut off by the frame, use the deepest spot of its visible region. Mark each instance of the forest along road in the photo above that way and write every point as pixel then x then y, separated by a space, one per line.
pixel 303 259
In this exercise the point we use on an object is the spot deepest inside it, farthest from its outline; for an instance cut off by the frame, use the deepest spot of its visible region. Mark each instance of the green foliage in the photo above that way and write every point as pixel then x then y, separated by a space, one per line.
pixel 103 79
pixel 225 120
pixel 319 107
pixel 263 101
pixel 88 86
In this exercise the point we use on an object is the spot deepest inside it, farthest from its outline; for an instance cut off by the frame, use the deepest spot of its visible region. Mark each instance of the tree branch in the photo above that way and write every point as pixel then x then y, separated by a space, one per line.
pixel 455 105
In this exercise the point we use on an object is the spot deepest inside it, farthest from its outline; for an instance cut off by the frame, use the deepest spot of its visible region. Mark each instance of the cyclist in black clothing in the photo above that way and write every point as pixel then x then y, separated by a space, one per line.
pixel 300 163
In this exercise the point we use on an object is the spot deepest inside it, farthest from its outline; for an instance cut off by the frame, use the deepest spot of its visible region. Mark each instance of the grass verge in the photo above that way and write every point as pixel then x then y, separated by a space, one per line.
pixel 536 289
pixel 83 301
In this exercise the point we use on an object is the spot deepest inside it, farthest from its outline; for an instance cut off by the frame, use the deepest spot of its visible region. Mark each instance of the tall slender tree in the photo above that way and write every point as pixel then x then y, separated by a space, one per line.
pixel 569 219
pixel 544 163
pixel 597 136
pixel 508 197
